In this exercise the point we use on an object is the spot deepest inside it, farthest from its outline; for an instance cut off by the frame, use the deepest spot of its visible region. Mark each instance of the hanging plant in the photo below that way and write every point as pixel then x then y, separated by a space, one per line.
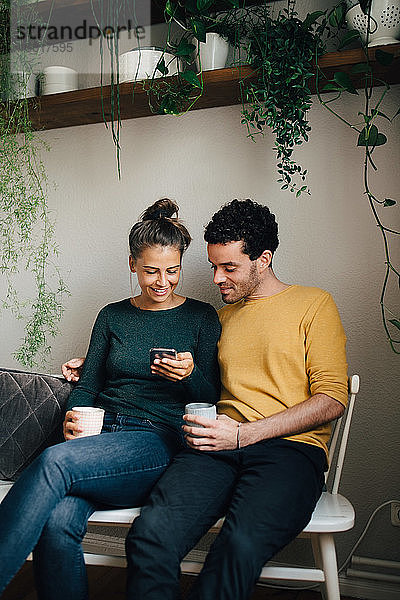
pixel 281 51
pixel 26 230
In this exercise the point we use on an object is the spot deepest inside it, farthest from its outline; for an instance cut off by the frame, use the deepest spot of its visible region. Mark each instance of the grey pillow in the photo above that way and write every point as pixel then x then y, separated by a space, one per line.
pixel 32 408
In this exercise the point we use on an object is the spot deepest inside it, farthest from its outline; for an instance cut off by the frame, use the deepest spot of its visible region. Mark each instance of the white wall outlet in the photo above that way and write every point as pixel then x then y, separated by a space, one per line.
pixel 395 513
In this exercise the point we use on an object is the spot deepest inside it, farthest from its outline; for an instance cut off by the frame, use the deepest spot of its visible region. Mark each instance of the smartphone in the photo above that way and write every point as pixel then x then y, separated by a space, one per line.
pixel 162 353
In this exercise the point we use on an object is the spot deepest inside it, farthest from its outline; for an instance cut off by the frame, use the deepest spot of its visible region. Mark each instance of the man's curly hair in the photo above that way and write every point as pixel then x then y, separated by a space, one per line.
pixel 247 221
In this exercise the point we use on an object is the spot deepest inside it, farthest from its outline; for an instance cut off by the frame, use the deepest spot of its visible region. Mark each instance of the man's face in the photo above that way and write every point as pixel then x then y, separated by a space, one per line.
pixel 234 273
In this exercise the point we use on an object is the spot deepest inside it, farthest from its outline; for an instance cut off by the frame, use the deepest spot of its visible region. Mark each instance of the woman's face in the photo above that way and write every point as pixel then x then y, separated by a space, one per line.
pixel 157 269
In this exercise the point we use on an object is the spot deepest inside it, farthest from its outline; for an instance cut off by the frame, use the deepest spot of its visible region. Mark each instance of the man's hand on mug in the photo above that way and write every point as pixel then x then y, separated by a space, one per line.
pixel 219 434
pixel 174 370
pixel 70 426
pixel 72 369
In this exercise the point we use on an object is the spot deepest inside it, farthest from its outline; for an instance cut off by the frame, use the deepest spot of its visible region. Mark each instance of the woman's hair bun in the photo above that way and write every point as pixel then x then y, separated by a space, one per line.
pixel 164 208
pixel 157 228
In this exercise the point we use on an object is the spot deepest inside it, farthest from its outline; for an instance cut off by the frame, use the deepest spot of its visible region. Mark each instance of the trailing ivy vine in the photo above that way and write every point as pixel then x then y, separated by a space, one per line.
pixel 26 229
pixel 369 138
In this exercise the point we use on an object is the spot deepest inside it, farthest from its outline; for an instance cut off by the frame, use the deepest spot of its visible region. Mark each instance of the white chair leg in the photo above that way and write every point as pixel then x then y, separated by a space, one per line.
pixel 329 565
pixel 318 560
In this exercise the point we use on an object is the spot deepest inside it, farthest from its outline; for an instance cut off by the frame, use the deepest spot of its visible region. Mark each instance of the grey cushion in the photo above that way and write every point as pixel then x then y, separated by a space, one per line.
pixel 32 408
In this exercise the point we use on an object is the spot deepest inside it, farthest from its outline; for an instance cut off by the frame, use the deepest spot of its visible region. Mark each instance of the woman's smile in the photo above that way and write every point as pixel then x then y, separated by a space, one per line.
pixel 158 269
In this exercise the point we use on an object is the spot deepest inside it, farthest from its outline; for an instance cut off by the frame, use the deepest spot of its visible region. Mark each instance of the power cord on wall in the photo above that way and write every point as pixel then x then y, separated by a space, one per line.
pixel 343 566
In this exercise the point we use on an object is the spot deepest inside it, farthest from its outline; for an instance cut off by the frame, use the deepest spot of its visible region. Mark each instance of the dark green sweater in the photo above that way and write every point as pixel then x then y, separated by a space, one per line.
pixel 116 374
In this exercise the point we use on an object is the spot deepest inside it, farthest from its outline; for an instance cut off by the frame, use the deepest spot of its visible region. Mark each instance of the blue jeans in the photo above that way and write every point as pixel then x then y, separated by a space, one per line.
pixel 48 507
pixel 267 491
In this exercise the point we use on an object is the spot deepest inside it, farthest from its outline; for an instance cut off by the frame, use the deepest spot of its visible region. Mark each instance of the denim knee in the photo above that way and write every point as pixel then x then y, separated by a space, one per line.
pixel 53 455
pixel 58 460
pixel 66 521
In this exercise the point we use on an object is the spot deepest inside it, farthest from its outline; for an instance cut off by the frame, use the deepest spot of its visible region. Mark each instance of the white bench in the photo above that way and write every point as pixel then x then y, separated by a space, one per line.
pixel 333 514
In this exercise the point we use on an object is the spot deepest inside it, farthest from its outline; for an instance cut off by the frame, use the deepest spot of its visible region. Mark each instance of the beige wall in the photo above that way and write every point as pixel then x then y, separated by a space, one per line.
pixel 202 160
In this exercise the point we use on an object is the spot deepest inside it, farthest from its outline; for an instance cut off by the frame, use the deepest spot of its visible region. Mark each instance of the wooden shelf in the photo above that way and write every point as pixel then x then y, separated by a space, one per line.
pixel 221 88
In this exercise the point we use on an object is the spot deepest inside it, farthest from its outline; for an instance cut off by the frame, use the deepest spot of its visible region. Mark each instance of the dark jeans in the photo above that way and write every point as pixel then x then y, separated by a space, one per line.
pixel 267 491
pixel 48 507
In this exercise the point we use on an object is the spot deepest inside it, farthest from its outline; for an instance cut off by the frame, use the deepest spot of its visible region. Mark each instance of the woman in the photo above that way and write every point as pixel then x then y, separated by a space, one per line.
pixel 48 507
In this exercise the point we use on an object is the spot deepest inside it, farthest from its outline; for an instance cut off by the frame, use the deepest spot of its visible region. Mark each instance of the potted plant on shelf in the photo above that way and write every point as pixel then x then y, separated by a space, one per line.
pixel 222 31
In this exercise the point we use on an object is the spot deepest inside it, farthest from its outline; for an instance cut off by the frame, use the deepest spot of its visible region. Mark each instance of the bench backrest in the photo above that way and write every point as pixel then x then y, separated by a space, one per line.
pixel 32 408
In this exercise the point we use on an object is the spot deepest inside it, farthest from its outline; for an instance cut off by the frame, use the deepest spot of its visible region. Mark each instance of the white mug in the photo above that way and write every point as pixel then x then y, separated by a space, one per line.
pixel 202 409
pixel 90 420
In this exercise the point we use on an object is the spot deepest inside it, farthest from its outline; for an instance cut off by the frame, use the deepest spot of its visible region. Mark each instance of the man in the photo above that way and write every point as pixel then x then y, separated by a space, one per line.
pixel 261 463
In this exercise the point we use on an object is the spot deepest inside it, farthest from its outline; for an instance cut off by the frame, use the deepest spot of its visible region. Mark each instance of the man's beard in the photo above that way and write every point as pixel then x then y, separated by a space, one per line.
pixel 244 289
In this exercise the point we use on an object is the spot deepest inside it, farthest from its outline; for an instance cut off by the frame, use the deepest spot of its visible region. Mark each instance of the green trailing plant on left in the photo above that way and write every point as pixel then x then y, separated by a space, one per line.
pixel 26 229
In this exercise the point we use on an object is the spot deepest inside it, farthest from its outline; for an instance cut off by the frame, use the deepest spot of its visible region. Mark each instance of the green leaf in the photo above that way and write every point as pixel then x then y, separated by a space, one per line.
pixel 170 8
pixel 350 36
pixel 389 202
pixel 203 5
pixel 361 68
pixel 199 30
pixel 190 6
pixel 331 87
pixel 374 138
pixel 395 322
pixel 337 16
pixel 385 58
pixel 380 140
pixel 381 114
pixel 184 48
pixel 396 115
pixel 234 3
pixel 344 80
pixel 312 17
pixel 191 77
pixel 161 67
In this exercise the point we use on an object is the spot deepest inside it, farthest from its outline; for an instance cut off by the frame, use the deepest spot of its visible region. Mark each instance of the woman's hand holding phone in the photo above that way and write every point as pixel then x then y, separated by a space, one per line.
pixel 174 369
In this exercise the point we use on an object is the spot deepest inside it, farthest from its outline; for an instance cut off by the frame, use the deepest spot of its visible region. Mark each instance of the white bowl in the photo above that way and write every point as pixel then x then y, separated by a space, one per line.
pixel 385 22
pixel 56 80
pixel 141 63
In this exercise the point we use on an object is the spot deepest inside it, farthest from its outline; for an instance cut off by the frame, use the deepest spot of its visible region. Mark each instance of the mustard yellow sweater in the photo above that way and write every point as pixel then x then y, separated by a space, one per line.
pixel 278 351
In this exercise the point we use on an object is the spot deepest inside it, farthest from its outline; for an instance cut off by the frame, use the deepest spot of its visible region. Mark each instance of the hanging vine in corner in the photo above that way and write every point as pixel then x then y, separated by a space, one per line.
pixel 369 138
pixel 26 230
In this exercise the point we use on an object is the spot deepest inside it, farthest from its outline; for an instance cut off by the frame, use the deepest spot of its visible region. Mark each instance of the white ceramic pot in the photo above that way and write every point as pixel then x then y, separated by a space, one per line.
pixel 385 22
pixel 141 63
pixel 56 80
pixel 213 52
